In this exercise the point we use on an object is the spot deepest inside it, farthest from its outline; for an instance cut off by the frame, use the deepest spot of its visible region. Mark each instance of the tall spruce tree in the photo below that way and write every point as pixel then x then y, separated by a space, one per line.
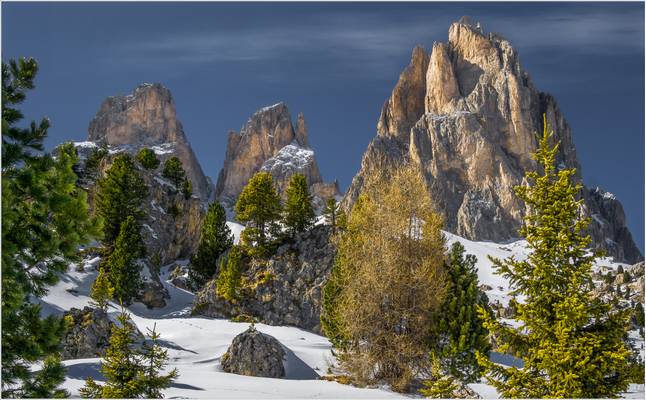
pixel 215 239
pixel 122 265
pixel 174 171
pixel 460 329
pixel 571 342
pixel 44 220
pixel 120 194
pixel 153 360
pixel 334 215
pixel 298 211
pixel 102 290
pixel 259 208
pixel 229 276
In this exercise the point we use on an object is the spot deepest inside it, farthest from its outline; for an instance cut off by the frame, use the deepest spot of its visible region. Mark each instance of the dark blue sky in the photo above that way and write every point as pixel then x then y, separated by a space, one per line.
pixel 335 62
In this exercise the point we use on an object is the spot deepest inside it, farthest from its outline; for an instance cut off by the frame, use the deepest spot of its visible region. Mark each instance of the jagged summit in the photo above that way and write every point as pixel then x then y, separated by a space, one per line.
pixel 467 113
pixel 147 118
pixel 269 142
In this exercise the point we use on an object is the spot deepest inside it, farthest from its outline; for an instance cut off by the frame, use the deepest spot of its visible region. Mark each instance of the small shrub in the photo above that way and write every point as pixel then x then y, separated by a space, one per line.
pixel 244 318
pixel 147 158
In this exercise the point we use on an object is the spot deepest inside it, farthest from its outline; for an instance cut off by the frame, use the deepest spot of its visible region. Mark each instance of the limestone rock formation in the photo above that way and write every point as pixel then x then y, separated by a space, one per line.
pixel 284 290
pixel 147 118
pixel 467 114
pixel 254 353
pixel 88 334
pixel 269 142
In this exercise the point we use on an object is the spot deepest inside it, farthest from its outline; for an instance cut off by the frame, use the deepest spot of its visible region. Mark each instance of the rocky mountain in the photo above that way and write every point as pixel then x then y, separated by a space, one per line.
pixel 269 142
pixel 147 118
pixel 468 114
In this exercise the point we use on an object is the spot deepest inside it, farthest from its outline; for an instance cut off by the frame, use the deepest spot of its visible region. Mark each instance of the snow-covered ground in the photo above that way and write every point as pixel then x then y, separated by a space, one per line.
pixel 195 344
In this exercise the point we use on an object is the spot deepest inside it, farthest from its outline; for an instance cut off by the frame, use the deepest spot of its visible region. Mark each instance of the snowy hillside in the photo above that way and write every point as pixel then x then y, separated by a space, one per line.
pixel 196 344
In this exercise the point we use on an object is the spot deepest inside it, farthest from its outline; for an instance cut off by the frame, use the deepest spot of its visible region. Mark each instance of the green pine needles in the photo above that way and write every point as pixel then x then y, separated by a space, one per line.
pixel 229 280
pixel 259 208
pixel 298 211
pixel 45 219
pixel 571 342
pixel 147 158
pixel 123 263
pixel 461 333
pixel 215 239
pixel 131 373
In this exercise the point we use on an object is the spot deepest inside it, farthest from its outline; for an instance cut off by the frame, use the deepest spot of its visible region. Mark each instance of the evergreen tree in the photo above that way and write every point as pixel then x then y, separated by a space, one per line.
pixel 147 158
pixel 122 265
pixel 334 215
pixel 439 386
pixel 639 315
pixel 187 189
pixel 120 194
pixel 259 207
pixel 174 171
pixel 460 328
pixel 44 220
pixel 121 366
pixel 154 359
pixel 215 239
pixel 229 277
pixel 298 213
pixel 571 342
pixel 102 291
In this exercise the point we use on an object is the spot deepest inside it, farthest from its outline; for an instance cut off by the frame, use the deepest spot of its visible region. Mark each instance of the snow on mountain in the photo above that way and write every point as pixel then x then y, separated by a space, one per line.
pixel 195 344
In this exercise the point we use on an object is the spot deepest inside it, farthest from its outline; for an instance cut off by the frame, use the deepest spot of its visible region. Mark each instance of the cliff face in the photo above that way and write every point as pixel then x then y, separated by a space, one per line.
pixel 269 142
pixel 147 118
pixel 467 113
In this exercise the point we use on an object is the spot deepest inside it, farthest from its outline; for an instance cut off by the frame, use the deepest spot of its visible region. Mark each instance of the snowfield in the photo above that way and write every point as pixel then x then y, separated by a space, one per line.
pixel 195 344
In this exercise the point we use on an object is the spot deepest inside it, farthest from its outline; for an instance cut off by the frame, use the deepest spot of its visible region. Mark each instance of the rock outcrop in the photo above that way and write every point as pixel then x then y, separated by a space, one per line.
pixel 147 118
pixel 467 114
pixel 88 333
pixel 284 290
pixel 254 353
pixel 269 142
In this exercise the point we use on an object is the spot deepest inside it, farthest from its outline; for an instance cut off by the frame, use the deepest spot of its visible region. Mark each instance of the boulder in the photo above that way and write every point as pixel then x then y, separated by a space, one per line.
pixel 88 333
pixel 254 353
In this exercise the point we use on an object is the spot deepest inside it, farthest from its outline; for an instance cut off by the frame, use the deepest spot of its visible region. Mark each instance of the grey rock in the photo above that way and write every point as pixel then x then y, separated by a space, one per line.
pixel 287 288
pixel 89 333
pixel 254 353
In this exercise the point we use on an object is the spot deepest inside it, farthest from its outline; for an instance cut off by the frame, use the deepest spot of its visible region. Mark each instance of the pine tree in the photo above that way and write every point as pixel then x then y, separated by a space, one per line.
pixel 298 213
pixel 571 342
pixel 121 366
pixel 259 207
pixel 215 239
pixel 187 189
pixel 44 220
pixel 388 281
pixel 460 328
pixel 120 194
pixel 229 276
pixel 439 386
pixel 174 171
pixel 102 291
pixel 122 265
pixel 147 158
pixel 334 215
pixel 154 359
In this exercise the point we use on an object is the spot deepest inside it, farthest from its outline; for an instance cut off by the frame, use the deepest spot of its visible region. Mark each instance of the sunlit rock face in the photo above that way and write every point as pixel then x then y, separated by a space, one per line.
pixel 269 142
pixel 468 114
pixel 147 118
